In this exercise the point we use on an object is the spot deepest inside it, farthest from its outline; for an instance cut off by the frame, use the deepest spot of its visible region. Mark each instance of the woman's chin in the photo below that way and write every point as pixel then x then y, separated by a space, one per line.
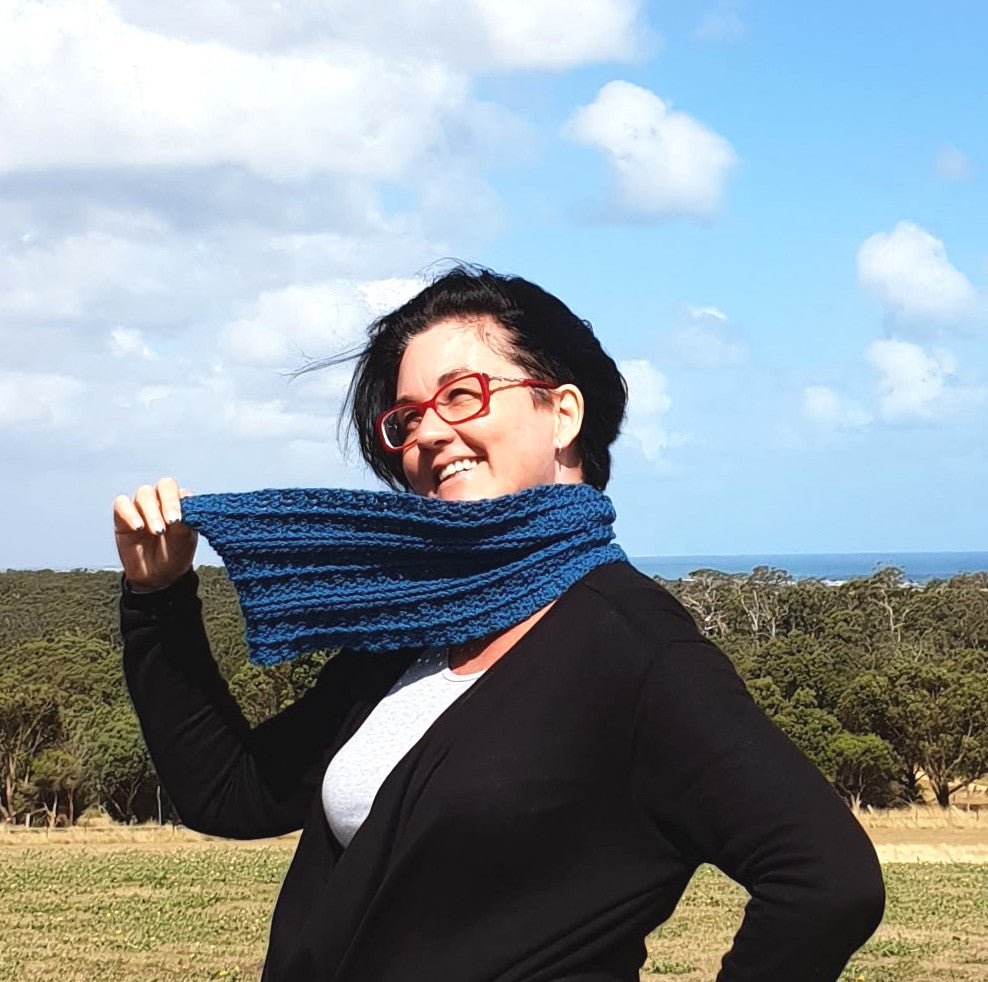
pixel 466 486
pixel 464 494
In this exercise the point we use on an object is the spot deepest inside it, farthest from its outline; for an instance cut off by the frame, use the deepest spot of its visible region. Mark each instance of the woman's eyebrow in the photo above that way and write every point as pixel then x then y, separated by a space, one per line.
pixel 440 382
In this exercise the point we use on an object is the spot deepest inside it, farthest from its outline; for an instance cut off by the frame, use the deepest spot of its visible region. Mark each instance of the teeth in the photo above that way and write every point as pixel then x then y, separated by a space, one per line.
pixel 456 466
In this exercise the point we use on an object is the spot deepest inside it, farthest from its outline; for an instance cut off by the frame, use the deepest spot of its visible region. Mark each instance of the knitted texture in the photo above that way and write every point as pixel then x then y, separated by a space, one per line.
pixel 374 570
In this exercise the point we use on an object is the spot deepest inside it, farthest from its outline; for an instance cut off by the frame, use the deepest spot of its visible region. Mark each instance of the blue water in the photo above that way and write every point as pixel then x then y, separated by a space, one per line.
pixel 919 567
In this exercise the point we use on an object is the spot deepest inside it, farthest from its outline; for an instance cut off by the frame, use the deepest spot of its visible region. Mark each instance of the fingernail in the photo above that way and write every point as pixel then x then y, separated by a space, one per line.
pixel 172 518
pixel 138 526
pixel 159 529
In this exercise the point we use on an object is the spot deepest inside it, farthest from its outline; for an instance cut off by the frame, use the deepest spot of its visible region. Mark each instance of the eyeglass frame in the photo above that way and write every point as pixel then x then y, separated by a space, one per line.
pixel 485 403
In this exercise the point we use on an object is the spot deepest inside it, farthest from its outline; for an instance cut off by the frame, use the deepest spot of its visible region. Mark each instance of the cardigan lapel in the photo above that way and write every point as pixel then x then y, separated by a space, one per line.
pixel 342 887
pixel 294 936
pixel 348 902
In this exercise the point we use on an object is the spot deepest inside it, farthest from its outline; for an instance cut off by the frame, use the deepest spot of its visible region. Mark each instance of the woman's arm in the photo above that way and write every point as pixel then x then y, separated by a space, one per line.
pixel 223 777
pixel 719 777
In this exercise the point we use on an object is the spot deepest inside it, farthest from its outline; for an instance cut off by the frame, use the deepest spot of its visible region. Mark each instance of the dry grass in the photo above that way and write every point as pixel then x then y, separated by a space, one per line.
pixel 122 911
pixel 926 817
pixel 927 834
pixel 935 928
pixel 192 909
pixel 925 825
pixel 151 836
pixel 119 903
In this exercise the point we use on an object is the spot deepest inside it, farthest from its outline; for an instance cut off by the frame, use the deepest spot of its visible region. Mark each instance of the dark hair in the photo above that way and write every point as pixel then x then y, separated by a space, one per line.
pixel 545 338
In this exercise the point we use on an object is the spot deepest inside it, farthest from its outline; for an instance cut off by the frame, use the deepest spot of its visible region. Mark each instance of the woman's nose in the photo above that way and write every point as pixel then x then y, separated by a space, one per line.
pixel 433 430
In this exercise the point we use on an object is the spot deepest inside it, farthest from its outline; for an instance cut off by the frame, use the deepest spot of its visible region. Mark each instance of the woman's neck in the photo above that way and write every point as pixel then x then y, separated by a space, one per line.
pixel 475 656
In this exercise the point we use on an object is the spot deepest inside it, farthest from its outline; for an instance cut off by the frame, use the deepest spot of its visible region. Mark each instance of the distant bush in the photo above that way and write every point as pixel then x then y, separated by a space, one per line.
pixel 883 684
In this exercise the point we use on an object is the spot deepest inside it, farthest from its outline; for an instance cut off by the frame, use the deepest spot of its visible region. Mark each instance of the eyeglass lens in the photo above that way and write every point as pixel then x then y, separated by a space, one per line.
pixel 454 402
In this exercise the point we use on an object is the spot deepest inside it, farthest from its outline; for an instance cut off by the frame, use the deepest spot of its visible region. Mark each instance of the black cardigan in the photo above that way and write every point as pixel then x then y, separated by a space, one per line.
pixel 548 820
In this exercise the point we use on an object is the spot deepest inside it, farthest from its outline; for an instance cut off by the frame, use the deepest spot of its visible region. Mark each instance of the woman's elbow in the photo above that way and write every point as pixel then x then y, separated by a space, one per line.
pixel 850 883
pixel 240 809
pixel 868 906
pixel 853 905
pixel 204 815
pixel 218 824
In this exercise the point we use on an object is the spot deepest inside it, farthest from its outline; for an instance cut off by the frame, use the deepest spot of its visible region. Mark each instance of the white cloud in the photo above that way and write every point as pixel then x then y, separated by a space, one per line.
pixel 832 409
pixel 93 90
pixel 911 382
pixel 648 402
pixel 148 395
pixel 248 84
pixel 287 326
pixel 706 340
pixel 665 163
pixel 273 419
pixel 552 34
pixel 122 273
pixel 475 35
pixel 39 399
pixel 908 270
pixel 218 405
pixel 383 296
pixel 952 164
pixel 72 275
pixel 197 195
pixel 127 341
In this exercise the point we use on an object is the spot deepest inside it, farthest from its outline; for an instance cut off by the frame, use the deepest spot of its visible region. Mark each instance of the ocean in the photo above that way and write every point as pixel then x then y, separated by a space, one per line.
pixel 919 567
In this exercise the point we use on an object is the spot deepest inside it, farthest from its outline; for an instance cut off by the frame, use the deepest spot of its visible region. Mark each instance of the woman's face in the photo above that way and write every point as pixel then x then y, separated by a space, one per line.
pixel 519 443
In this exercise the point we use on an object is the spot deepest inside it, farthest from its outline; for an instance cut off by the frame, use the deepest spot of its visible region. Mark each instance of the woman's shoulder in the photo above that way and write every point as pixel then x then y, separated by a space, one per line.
pixel 642 603
pixel 617 626
pixel 618 610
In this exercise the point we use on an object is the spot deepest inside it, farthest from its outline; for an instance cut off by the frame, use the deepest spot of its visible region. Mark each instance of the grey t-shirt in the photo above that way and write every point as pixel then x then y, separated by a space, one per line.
pixel 393 727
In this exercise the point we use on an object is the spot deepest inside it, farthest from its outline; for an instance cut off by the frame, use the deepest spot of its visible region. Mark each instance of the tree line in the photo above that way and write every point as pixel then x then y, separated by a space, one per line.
pixel 69 739
pixel 882 683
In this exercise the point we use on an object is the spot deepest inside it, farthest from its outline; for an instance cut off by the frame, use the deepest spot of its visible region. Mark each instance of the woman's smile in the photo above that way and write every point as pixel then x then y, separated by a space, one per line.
pixel 459 468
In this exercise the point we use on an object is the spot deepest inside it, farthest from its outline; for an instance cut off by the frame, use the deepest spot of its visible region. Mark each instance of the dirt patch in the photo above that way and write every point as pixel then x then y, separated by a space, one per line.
pixel 929 836
pixel 144 837
pixel 916 835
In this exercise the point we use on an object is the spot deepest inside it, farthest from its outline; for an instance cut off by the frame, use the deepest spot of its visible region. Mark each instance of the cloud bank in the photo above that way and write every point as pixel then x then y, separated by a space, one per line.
pixel 908 270
pixel 665 163
pixel 911 384
pixel 648 402
pixel 198 197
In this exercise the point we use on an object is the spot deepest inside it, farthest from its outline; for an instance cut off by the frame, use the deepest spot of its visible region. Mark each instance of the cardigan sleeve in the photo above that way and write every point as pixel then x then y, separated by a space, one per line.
pixel 224 777
pixel 723 782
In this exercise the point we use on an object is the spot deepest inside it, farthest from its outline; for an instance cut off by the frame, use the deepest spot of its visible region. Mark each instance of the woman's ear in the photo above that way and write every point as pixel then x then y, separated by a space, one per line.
pixel 569 415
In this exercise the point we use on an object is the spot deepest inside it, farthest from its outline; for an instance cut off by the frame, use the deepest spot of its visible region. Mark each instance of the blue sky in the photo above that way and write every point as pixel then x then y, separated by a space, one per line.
pixel 774 215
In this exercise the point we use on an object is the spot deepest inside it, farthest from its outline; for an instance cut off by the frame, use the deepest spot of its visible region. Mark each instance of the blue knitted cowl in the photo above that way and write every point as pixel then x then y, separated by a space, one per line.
pixel 376 570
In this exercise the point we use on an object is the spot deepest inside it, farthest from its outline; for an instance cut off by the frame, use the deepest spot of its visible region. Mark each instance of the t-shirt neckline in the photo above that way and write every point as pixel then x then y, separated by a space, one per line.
pixel 448 672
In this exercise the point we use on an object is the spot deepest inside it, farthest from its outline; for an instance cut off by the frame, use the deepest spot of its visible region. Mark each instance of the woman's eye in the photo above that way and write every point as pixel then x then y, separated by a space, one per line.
pixel 411 419
pixel 460 395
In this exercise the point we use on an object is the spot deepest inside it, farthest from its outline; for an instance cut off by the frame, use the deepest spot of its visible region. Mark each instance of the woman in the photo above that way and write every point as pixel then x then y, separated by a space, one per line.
pixel 529 805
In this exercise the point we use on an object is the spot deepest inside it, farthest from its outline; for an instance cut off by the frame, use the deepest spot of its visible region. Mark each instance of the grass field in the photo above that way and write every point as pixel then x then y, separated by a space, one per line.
pixel 118 908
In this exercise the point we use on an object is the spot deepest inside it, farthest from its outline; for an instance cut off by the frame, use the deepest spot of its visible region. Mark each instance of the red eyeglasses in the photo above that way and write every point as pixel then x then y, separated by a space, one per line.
pixel 458 401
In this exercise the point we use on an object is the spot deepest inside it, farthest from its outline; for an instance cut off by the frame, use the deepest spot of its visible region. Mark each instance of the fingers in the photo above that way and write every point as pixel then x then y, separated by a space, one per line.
pixel 126 518
pixel 156 507
pixel 152 508
pixel 146 501
pixel 168 500
pixel 155 549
